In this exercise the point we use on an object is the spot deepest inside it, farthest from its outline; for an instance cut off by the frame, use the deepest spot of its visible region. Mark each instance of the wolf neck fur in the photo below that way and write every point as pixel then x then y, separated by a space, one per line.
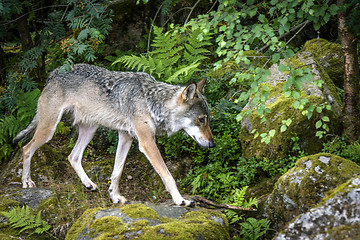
pixel 162 104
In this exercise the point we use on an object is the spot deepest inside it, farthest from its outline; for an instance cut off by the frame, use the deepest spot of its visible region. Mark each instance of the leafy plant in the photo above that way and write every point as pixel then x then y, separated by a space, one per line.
pixel 18 119
pixel 340 147
pixel 240 26
pixel 25 219
pixel 175 57
pixel 237 199
pixel 253 229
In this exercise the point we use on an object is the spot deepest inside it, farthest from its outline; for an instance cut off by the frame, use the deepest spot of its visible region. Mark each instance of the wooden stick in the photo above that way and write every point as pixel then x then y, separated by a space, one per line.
pixel 206 203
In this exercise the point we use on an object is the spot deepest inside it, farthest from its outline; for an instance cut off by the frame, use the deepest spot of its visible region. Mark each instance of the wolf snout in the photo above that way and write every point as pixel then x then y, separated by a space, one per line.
pixel 212 144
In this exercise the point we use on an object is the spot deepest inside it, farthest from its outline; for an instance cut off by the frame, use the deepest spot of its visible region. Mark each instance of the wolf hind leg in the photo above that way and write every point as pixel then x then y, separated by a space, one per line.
pixel 43 133
pixel 86 133
pixel 148 146
pixel 122 150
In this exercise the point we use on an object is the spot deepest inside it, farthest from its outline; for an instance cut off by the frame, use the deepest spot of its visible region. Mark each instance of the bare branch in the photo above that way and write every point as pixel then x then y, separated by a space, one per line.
pixel 192 9
pixel 206 203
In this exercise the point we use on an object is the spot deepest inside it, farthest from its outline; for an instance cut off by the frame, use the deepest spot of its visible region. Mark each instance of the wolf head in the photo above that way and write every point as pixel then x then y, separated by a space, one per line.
pixel 195 114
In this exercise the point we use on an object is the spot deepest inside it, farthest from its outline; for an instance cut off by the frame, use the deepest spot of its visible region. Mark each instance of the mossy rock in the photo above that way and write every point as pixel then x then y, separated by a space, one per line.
pixel 281 108
pixel 48 163
pixel 329 55
pixel 11 197
pixel 306 184
pixel 335 217
pixel 149 222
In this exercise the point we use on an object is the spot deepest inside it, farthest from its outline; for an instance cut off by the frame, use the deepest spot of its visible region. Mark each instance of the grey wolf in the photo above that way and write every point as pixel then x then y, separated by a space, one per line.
pixel 133 103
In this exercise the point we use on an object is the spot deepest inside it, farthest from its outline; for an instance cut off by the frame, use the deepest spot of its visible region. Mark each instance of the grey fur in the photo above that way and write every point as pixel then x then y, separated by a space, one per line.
pixel 133 103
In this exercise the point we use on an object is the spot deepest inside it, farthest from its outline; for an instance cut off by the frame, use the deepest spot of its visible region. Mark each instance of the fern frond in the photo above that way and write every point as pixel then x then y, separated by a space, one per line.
pixel 186 71
pixel 133 62
pixel 24 218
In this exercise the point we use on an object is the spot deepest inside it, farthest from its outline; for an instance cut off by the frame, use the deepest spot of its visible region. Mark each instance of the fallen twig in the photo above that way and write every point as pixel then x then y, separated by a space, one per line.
pixel 203 202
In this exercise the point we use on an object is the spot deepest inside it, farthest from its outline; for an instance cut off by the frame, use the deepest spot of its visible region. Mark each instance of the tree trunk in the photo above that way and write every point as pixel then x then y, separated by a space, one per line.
pixel 351 117
pixel 23 29
pixel 2 68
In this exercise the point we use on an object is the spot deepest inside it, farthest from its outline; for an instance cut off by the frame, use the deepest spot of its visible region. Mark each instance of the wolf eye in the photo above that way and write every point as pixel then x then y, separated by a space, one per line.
pixel 202 120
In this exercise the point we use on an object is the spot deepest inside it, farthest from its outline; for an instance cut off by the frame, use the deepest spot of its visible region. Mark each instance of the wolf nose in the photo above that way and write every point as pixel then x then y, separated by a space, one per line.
pixel 212 144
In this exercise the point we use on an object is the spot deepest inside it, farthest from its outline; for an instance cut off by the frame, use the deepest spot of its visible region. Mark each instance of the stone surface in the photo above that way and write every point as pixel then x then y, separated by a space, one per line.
pixel 329 55
pixel 150 222
pixel 305 185
pixel 282 109
pixel 336 217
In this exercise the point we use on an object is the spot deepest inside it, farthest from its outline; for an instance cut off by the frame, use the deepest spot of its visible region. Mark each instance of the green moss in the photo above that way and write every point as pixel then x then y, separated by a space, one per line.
pixel 345 232
pixel 345 187
pixel 107 227
pixel 6 203
pixel 306 185
pixel 81 224
pixel 329 55
pixel 256 58
pixel 280 145
pixel 139 211
pixel 282 108
pixel 202 224
pixel 193 225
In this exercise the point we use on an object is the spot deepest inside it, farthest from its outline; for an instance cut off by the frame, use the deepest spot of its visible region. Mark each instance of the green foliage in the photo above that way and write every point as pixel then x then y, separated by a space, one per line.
pixel 175 57
pixel 24 218
pixel 253 229
pixel 19 117
pixel 62 128
pixel 240 26
pixel 88 20
pixel 340 147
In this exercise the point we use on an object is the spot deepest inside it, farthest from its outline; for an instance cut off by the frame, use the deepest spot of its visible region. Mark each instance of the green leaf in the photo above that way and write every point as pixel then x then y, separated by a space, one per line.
pixel 83 34
pixel 318 124
pixel 283 128
pixel 262 18
pixel 272 132
pixel 296 104
pixel 276 58
pixel 283 21
pixel 325 119
pixel 252 12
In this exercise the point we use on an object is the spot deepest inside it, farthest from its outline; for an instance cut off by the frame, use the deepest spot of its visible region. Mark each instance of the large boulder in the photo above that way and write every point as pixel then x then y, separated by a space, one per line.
pixel 336 217
pixel 305 185
pixel 48 163
pixel 329 56
pixel 301 128
pixel 36 198
pixel 149 222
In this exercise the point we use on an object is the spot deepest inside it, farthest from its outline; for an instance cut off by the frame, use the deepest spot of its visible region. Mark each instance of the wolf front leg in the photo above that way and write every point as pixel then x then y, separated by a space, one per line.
pixel 86 133
pixel 148 146
pixel 122 150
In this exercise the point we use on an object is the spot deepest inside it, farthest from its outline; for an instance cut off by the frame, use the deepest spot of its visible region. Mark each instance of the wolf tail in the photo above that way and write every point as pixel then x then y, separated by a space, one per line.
pixel 27 132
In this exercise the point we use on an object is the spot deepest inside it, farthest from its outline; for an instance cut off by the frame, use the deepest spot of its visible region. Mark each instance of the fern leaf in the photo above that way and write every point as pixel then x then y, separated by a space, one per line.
pixel 182 71
pixel 133 62
pixel 23 218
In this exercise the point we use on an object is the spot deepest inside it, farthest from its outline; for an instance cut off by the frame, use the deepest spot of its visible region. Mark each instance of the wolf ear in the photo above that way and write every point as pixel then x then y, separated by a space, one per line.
pixel 200 85
pixel 188 93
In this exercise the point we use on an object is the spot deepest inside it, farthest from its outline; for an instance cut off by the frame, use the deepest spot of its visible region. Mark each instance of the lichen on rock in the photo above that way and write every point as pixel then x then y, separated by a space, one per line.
pixel 329 55
pixel 149 222
pixel 282 108
pixel 305 185
pixel 336 217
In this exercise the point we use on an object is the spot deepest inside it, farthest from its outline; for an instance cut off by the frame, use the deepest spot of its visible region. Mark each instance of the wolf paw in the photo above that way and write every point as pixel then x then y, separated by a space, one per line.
pixel 185 203
pixel 28 183
pixel 91 187
pixel 118 199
